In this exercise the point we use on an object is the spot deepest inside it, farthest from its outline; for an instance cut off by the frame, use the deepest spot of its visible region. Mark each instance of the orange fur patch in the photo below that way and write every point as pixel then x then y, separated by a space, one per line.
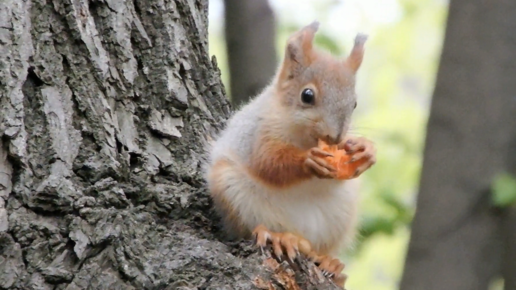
pixel 278 164
pixel 217 186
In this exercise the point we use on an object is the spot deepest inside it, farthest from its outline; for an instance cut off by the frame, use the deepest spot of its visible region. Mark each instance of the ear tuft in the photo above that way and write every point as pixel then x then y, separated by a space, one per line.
pixel 356 56
pixel 299 50
pixel 299 45
pixel 360 39
pixel 314 26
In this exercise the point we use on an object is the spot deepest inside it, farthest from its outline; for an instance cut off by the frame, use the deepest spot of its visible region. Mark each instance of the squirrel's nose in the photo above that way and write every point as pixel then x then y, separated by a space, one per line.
pixel 333 139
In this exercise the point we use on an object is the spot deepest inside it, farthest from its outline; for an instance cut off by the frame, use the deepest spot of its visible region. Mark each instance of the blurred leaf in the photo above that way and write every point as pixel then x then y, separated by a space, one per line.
pixel 503 190
pixel 403 211
pixel 497 284
pixel 374 225
pixel 324 41
pixel 371 226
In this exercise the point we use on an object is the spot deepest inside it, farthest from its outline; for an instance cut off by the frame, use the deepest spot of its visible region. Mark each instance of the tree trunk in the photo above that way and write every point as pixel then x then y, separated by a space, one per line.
pixel 509 254
pixel 457 236
pixel 105 109
pixel 250 42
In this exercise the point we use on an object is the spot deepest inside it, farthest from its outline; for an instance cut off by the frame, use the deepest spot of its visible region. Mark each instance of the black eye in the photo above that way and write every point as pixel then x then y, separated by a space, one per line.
pixel 354 107
pixel 308 96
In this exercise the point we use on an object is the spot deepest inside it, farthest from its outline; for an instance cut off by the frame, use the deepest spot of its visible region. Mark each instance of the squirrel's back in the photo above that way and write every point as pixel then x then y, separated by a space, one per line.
pixel 236 140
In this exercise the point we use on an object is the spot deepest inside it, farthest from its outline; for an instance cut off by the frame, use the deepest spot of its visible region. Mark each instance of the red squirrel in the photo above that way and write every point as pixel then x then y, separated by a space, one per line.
pixel 266 175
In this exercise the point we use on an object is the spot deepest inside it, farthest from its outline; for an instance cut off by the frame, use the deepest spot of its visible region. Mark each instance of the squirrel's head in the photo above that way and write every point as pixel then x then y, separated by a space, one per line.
pixel 317 90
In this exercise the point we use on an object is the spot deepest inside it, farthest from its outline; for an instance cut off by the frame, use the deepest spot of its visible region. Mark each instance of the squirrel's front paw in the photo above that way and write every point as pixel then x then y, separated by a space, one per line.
pixel 360 149
pixel 317 165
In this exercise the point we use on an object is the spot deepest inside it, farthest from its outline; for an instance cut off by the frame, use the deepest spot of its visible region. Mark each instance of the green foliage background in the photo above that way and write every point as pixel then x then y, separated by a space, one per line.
pixel 394 86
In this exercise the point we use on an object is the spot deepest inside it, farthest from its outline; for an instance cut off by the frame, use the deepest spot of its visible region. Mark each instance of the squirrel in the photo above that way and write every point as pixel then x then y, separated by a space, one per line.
pixel 266 175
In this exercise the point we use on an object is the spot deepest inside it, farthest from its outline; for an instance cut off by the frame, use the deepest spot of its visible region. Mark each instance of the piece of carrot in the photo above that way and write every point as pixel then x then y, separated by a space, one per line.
pixel 340 160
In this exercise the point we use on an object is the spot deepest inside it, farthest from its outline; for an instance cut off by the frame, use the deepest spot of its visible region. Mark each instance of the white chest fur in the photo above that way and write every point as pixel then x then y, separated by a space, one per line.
pixel 322 211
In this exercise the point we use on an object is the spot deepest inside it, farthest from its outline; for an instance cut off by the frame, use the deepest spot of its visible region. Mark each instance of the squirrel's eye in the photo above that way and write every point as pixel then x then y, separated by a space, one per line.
pixel 354 107
pixel 308 96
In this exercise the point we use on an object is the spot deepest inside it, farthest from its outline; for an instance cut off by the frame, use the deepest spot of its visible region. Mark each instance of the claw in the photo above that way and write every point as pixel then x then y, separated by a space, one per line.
pixel 284 246
pixel 298 259
pixel 290 261
pixel 331 268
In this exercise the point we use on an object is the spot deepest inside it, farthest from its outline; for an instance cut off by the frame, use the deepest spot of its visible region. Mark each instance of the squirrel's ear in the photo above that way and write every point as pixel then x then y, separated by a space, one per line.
pixel 298 52
pixel 354 59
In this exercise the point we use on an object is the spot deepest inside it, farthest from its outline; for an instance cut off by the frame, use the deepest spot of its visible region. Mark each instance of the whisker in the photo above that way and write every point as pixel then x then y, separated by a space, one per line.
pixel 366 130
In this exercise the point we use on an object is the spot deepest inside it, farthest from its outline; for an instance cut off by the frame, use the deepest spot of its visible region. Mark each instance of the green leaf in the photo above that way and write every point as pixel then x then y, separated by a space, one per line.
pixel 372 225
pixel 503 190
pixel 327 43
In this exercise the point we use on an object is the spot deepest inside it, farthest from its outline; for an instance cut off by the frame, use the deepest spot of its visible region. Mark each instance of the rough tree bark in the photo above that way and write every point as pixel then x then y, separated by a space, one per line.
pixel 458 240
pixel 105 109
pixel 250 43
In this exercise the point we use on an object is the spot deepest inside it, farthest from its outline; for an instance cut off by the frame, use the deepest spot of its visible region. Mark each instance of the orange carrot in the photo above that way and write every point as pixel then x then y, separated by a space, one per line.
pixel 340 160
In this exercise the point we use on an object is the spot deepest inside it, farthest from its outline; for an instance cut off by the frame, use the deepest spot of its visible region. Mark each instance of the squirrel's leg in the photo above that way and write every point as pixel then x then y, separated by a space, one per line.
pixel 288 244
pixel 220 176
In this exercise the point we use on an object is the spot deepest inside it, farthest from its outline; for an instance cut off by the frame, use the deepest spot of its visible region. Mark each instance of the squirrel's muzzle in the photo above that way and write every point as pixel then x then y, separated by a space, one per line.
pixel 333 139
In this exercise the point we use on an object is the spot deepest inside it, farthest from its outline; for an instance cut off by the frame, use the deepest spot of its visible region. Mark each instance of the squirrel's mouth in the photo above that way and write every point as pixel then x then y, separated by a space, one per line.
pixel 329 140
pixel 313 140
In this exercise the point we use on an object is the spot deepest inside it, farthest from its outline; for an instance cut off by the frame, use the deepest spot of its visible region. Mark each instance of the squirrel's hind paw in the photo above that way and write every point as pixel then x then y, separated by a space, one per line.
pixel 331 268
pixel 282 244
